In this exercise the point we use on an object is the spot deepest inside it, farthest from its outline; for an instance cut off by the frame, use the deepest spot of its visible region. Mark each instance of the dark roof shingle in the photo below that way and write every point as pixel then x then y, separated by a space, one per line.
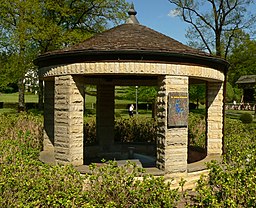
pixel 131 37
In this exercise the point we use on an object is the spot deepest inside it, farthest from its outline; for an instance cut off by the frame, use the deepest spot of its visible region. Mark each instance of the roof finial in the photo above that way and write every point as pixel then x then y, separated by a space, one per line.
pixel 132 18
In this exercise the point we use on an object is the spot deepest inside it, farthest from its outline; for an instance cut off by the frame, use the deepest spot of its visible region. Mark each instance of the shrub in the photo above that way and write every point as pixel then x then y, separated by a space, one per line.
pixel 27 182
pixel 118 186
pixel 126 130
pixel 196 130
pixel 231 183
pixel 90 132
pixel 136 130
pixel 22 127
pixel 246 118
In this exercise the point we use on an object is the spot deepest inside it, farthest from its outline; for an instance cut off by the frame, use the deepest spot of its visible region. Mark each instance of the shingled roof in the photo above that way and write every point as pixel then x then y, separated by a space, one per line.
pixel 131 41
pixel 128 37
pixel 247 79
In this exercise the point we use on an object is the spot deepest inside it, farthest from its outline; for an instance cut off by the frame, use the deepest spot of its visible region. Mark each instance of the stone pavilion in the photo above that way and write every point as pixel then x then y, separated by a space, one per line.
pixel 129 55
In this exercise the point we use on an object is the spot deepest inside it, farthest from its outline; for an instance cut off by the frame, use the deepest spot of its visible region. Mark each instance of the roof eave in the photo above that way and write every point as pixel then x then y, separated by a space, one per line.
pixel 79 56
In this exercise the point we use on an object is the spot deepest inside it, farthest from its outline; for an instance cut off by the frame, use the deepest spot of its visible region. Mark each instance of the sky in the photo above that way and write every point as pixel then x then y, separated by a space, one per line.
pixel 158 15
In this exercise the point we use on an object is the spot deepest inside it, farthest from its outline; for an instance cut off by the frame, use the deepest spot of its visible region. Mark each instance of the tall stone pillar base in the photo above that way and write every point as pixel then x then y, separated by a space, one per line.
pixel 68 122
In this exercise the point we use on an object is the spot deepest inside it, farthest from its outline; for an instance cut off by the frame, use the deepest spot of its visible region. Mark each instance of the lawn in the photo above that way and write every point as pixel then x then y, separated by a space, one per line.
pixel 120 101
pixel 13 98
pixel 235 114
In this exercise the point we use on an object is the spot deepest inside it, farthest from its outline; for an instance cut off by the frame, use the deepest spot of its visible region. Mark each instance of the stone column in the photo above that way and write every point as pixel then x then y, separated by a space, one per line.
pixel 214 118
pixel 48 115
pixel 172 141
pixel 68 124
pixel 105 116
pixel 41 95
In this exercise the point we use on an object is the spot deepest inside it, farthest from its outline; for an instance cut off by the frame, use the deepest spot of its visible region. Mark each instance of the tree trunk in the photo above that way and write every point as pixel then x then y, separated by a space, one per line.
pixel 218 43
pixel 21 105
pixel 154 107
pixel 197 103
pixel 41 95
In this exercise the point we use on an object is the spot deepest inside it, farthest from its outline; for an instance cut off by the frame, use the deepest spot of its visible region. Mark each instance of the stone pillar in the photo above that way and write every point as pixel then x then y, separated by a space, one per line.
pixel 41 95
pixel 214 118
pixel 172 141
pixel 48 115
pixel 105 116
pixel 68 124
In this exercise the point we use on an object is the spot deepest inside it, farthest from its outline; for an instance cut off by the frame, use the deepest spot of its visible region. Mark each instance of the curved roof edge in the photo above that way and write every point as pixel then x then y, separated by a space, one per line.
pixel 70 57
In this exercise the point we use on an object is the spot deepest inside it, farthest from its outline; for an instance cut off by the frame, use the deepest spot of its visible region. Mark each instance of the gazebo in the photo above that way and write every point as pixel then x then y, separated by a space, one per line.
pixel 247 83
pixel 129 55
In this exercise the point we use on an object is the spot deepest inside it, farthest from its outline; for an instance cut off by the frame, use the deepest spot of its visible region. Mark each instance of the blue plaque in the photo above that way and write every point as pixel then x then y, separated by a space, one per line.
pixel 177 109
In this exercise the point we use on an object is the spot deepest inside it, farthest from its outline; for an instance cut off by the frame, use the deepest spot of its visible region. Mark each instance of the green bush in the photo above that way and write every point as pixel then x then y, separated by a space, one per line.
pixel 27 182
pixel 136 130
pixel 90 132
pixel 24 180
pixel 22 127
pixel 118 186
pixel 196 130
pixel 232 182
pixel 145 130
pixel 246 118
pixel 126 130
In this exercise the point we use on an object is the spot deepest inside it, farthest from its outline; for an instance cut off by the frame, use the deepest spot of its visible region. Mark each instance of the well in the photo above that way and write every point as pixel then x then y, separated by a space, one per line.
pixel 131 55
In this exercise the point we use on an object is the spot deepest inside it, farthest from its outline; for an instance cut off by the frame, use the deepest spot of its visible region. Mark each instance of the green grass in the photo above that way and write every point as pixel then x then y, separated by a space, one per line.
pixel 13 98
pixel 7 111
pixel 90 103
pixel 235 114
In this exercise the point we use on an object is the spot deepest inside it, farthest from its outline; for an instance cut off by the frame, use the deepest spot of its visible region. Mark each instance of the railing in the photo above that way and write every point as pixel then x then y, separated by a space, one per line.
pixel 240 106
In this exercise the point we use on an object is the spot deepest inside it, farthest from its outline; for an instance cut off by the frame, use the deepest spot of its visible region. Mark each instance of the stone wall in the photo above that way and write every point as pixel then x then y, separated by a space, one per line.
pixel 105 116
pixel 49 116
pixel 68 123
pixel 172 142
pixel 136 68
pixel 214 117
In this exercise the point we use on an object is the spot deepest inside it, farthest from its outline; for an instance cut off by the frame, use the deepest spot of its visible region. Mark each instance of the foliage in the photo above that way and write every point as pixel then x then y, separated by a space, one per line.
pixel 229 93
pixel 134 129
pixel 213 24
pixel 26 182
pixel 90 132
pixel 137 129
pixel 246 118
pixel 238 93
pixel 242 59
pixel 197 130
pixel 197 93
pixel 31 27
pixel 144 93
pixel 22 126
pixel 232 183
pixel 117 186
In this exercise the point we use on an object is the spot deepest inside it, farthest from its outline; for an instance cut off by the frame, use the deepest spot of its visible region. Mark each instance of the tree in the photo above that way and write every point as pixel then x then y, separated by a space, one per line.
pixel 15 20
pixel 214 23
pixel 197 93
pixel 66 22
pixel 242 59
pixel 3 78
pixel 31 27
pixel 145 93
